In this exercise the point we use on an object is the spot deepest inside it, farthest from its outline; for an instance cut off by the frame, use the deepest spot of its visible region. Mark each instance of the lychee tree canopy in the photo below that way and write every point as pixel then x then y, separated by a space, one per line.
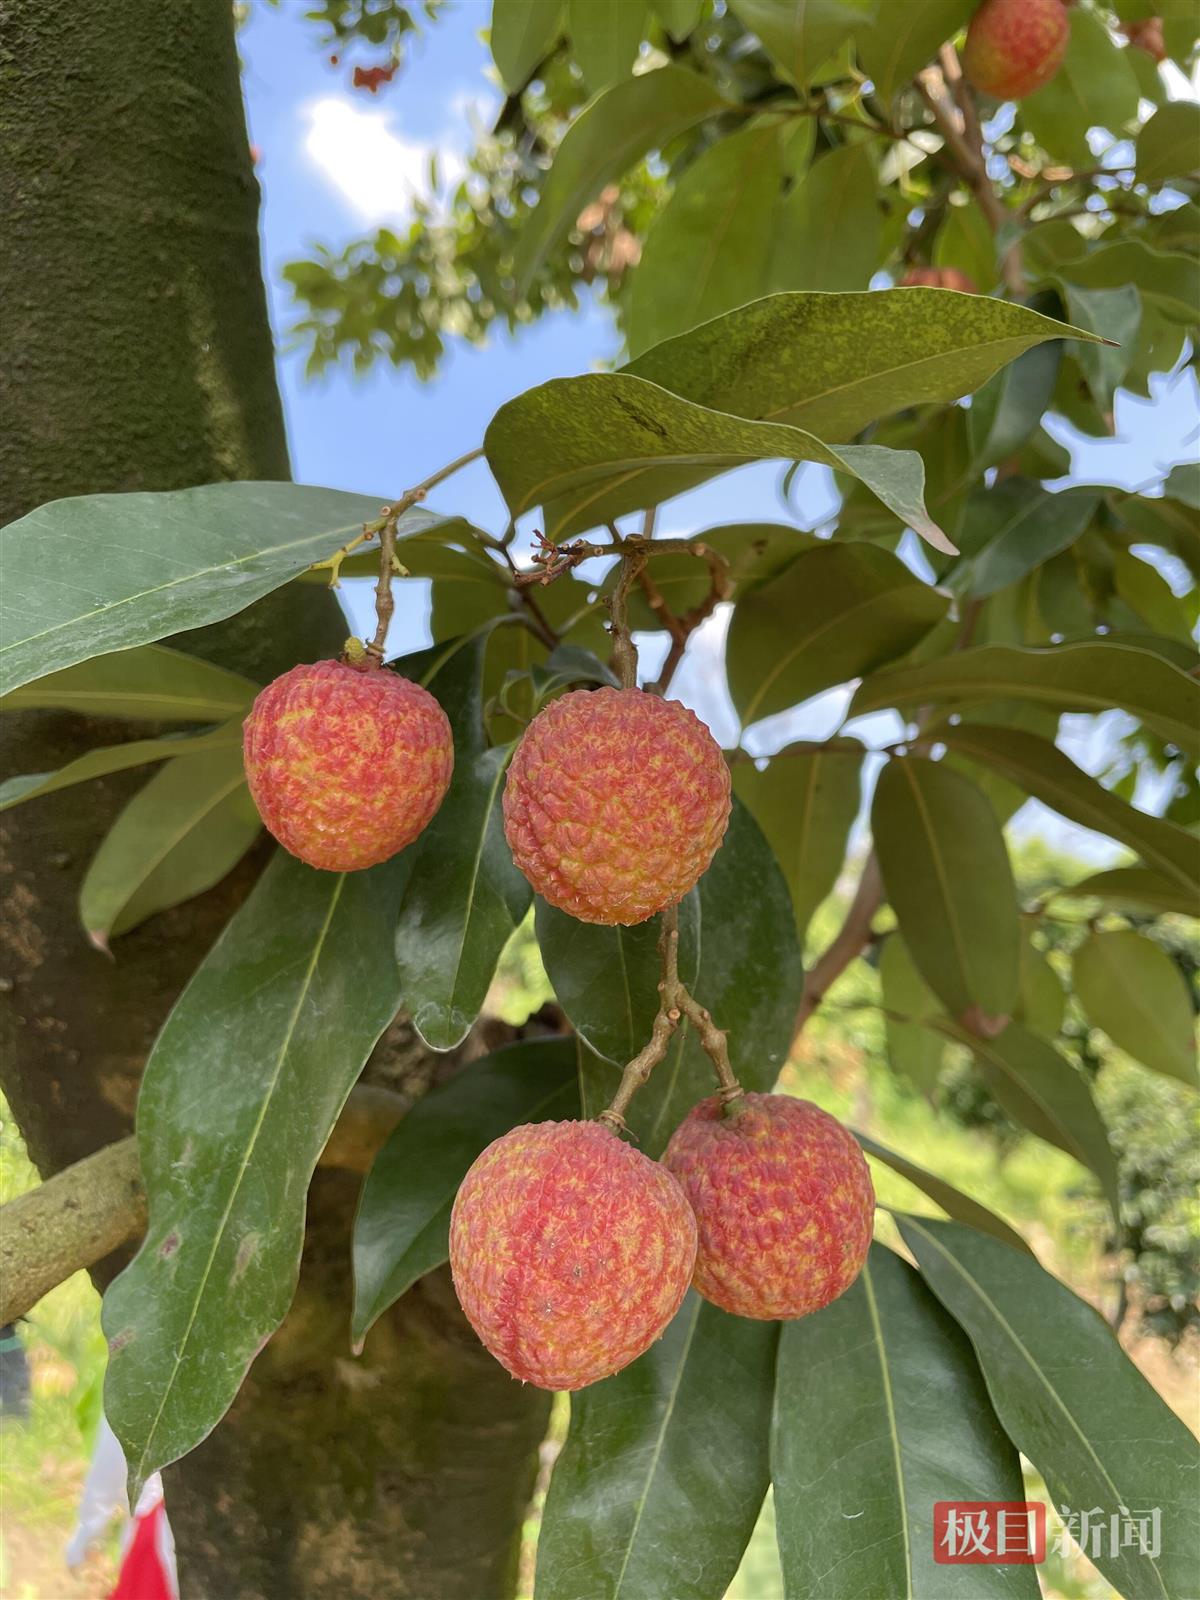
pixel 737 195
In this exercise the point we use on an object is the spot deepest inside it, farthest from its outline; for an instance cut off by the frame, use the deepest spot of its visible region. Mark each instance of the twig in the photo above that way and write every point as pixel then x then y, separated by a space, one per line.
pixel 849 941
pixel 385 601
pixel 624 651
pixel 720 588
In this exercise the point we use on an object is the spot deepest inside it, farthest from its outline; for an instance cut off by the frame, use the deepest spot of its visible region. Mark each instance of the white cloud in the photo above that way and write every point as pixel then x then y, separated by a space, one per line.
pixel 376 170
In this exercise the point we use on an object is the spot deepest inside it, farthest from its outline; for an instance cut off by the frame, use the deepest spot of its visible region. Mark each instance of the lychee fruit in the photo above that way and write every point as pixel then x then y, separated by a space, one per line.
pixel 570 1250
pixel 616 802
pixel 1147 35
pixel 345 766
pixel 1014 47
pixel 938 278
pixel 783 1199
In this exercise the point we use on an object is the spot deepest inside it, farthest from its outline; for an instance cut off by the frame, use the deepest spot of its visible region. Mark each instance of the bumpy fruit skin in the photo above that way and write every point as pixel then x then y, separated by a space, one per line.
pixel 1013 47
pixel 784 1202
pixel 570 1250
pixel 616 802
pixel 346 767
pixel 938 278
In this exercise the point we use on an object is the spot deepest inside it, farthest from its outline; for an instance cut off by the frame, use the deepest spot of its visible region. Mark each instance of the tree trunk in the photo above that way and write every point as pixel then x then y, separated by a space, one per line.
pixel 140 358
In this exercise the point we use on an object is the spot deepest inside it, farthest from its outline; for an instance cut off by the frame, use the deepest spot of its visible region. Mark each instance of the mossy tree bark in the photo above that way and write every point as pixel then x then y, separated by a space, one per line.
pixel 139 356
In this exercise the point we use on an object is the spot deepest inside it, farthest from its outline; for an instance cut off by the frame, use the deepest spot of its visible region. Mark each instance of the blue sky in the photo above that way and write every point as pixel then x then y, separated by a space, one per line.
pixel 335 163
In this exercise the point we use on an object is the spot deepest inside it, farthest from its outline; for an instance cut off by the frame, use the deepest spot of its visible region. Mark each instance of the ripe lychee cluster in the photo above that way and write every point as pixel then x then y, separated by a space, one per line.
pixel 346 767
pixel 1015 47
pixel 616 802
pixel 571 1251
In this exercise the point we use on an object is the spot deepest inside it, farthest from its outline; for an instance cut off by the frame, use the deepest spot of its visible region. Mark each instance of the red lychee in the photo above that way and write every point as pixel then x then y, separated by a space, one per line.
pixel 1013 47
pixel 571 1251
pixel 346 767
pixel 616 802
pixel 938 278
pixel 783 1199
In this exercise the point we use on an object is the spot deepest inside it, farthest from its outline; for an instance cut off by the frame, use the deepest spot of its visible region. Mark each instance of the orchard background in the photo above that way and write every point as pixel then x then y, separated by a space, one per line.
pixel 733 191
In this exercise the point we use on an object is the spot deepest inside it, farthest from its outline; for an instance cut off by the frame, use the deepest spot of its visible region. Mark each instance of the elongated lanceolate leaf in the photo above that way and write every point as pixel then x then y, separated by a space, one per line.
pixel 914 1051
pixel 800 35
pixel 1132 989
pixel 959 1205
pixel 242 1088
pixel 116 758
pixel 1136 887
pixel 523 32
pixel 152 682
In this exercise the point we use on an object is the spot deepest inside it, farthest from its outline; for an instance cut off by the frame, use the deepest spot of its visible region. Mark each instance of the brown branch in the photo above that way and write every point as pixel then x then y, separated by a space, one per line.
pixel 624 651
pixel 88 1210
pixel 720 588
pixel 854 933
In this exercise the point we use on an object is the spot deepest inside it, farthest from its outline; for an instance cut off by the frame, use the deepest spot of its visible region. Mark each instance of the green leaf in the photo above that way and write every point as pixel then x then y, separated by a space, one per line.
pixel 838 611
pixel 402 1230
pixel 880 1412
pixel 905 38
pixel 1009 407
pixel 241 1090
pixel 1168 279
pixel 709 247
pixel 833 363
pixel 605 36
pixel 116 758
pixel 606 979
pixel 1069 1398
pixel 947 875
pixel 914 1052
pixel 524 32
pixel 612 132
pixel 829 229
pixel 799 35
pixel 1116 314
pixel 754 550
pixel 960 1206
pixel 1072 677
pixel 1136 888
pixel 1041 769
pixel 160 563
pixel 591 448
pixel 965 241
pixel 805 801
pixel 749 977
pixel 1044 1092
pixel 1041 999
pixel 1145 591
pixel 1094 87
pixel 464 897
pixel 1168 143
pixel 679 17
pixel 1015 526
pixel 665 1468
pixel 153 681
pixel 180 834
pixel 1132 989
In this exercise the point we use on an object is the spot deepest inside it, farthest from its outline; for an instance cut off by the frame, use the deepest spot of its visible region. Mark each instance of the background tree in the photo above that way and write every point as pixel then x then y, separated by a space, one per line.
pixel 762 152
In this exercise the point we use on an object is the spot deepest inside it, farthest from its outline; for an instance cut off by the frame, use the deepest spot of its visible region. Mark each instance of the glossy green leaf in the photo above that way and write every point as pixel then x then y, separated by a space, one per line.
pixel 606 979
pixel 1094 87
pixel 1015 526
pixel 241 1090
pixel 805 801
pixel 116 758
pixel 1168 145
pixel 832 363
pixel 152 682
pixel 159 564
pixel 880 1412
pixel 965 241
pixel 1072 677
pixel 402 1229
pixel 709 248
pixel 1115 314
pixel 799 35
pixel 749 977
pixel 953 1201
pixel 679 17
pixel 838 611
pixel 1070 1400
pixel 1046 1093
pixel 1146 592
pixel 464 897
pixel 1041 769
pixel 1132 989
pixel 616 129
pixel 180 834
pixel 829 229
pixel 1168 279
pixel 605 36
pixel 1041 998
pixel 1136 888
pixel 905 38
pixel 664 1471
pixel 591 448
pixel 523 33
pixel 914 1052
pixel 947 875
pixel 1009 407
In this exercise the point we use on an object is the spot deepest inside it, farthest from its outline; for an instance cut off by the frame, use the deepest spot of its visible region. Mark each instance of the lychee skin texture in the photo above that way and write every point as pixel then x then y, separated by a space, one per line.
pixel 346 767
pixel 1014 47
pixel 784 1202
pixel 616 802
pixel 571 1252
